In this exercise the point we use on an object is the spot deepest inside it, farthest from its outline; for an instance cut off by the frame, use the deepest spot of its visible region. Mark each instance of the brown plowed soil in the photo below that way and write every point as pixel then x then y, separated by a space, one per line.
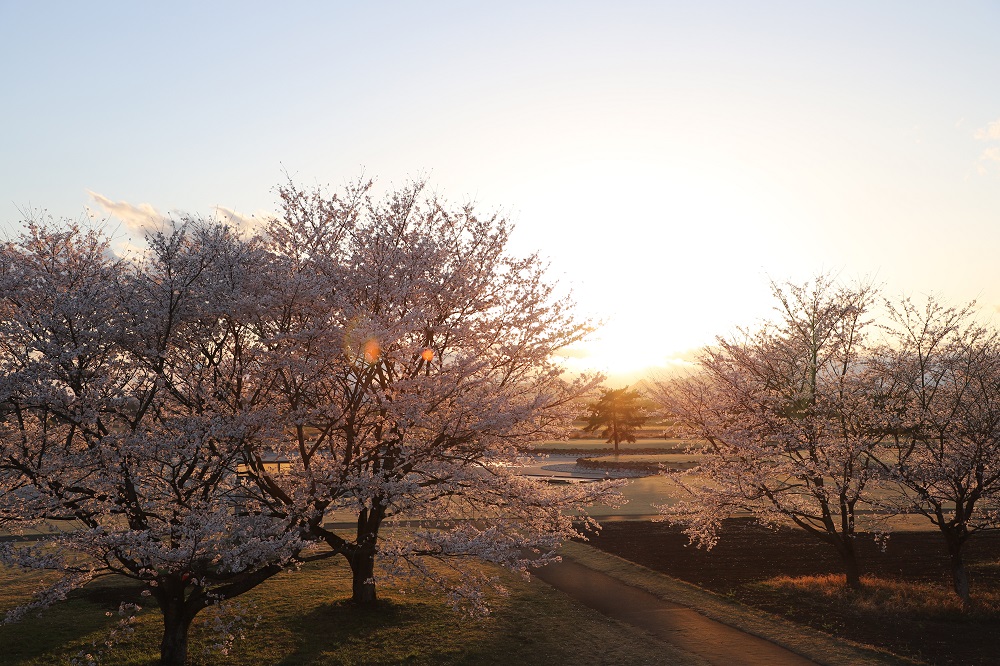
pixel 747 554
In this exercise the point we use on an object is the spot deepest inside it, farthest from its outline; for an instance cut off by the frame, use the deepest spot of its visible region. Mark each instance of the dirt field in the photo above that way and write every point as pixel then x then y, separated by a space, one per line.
pixel 748 554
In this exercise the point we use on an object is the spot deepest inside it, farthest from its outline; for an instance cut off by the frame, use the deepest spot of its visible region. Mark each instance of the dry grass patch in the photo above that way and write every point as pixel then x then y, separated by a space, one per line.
pixel 887 597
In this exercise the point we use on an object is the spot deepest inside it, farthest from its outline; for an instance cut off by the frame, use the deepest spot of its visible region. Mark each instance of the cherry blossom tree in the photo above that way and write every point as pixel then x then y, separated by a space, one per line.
pixel 391 353
pixel 786 414
pixel 941 397
pixel 128 402
pixel 423 373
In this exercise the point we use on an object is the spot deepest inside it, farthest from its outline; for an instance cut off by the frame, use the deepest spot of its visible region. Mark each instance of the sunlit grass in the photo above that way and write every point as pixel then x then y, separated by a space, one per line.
pixel 883 598
pixel 305 618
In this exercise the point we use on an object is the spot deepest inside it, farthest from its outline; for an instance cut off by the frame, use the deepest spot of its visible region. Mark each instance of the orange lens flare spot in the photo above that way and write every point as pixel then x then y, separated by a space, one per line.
pixel 427 355
pixel 372 350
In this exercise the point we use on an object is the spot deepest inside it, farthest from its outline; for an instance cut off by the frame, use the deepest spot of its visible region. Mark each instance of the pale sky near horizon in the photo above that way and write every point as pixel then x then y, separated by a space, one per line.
pixel 666 157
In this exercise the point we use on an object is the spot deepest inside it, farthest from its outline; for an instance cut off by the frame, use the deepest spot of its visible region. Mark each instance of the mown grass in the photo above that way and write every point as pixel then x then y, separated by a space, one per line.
pixel 882 598
pixel 306 619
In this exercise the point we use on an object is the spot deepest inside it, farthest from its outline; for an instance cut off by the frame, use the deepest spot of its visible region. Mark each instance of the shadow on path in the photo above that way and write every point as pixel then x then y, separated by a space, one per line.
pixel 679 625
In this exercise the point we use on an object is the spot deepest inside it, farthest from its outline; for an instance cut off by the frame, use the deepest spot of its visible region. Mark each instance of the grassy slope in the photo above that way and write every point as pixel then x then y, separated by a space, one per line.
pixel 304 620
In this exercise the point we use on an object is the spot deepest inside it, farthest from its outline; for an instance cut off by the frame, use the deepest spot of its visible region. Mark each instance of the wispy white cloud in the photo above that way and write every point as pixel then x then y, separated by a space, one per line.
pixel 990 132
pixel 136 218
pixel 992 154
pixel 241 220
pixel 139 218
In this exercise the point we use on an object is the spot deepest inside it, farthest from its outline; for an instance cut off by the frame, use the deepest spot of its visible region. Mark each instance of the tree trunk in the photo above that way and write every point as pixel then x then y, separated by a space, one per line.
pixel 959 575
pixel 853 571
pixel 363 570
pixel 849 557
pixel 362 556
pixel 176 622
pixel 960 578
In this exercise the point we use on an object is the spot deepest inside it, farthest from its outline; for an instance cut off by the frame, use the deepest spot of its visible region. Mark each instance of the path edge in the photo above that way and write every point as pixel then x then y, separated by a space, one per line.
pixel 801 639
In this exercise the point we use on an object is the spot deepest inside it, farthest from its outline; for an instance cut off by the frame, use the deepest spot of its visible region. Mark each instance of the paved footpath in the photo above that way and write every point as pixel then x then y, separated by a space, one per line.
pixel 679 625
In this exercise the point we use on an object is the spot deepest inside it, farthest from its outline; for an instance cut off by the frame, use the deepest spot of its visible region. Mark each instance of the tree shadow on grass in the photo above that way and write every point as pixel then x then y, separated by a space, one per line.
pixel 343 632
pixel 62 628
pixel 429 632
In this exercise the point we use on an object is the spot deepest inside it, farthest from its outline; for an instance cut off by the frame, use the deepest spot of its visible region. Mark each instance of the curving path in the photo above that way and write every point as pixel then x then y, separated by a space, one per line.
pixel 679 625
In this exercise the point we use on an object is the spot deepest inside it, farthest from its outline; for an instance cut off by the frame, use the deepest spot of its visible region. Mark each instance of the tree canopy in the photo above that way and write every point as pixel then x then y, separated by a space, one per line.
pixel 389 352
pixel 824 416
pixel 127 407
pixel 424 372
pixel 787 418
pixel 939 375
pixel 618 413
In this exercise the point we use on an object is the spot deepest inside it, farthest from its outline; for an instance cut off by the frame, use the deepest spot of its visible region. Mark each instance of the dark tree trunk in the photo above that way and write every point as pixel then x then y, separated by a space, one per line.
pixel 853 571
pixel 176 622
pixel 849 557
pixel 362 556
pixel 363 571
pixel 959 575
pixel 180 602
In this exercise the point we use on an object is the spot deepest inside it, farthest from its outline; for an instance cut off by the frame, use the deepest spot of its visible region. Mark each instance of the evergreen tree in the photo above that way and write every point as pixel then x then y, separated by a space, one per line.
pixel 619 412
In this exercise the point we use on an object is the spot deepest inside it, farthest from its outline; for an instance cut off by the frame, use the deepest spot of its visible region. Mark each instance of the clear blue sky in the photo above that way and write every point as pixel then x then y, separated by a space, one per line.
pixel 666 156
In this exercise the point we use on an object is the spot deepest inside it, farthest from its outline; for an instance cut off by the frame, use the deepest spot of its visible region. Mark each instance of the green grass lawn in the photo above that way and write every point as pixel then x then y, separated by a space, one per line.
pixel 305 619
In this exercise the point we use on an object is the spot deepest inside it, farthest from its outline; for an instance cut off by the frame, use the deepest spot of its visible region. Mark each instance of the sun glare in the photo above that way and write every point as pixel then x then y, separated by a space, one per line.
pixel 372 350
pixel 668 257
pixel 625 355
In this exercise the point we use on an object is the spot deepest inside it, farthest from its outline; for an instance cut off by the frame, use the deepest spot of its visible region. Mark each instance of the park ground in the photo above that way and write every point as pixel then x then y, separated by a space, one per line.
pixel 783 586
pixel 779 585
pixel 908 610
